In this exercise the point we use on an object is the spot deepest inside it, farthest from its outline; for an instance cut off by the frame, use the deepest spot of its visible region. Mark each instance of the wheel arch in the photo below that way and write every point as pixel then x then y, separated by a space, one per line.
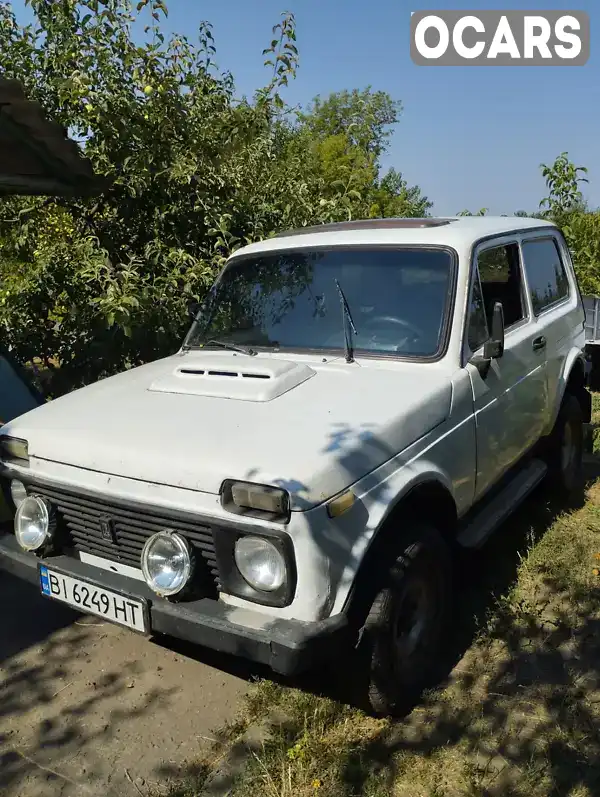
pixel 429 501
pixel 573 381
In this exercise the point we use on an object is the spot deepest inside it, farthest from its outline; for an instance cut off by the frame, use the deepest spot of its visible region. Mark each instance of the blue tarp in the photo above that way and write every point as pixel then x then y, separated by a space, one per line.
pixel 17 396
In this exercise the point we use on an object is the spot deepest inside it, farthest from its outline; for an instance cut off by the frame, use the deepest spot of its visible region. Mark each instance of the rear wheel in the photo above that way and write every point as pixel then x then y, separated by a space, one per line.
pixel 405 631
pixel 594 377
pixel 565 458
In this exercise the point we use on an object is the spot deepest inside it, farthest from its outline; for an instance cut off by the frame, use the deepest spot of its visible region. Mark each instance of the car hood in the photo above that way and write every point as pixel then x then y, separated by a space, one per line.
pixel 196 418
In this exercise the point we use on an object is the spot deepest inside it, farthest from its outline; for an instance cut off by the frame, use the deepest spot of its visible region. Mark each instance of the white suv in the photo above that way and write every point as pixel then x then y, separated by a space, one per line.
pixel 351 402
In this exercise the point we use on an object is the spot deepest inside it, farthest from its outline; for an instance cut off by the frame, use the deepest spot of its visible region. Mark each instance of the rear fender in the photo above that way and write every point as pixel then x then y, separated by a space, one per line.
pixel 573 378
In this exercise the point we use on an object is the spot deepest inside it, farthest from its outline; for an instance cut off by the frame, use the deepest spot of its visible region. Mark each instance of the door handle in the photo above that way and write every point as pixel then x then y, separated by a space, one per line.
pixel 539 343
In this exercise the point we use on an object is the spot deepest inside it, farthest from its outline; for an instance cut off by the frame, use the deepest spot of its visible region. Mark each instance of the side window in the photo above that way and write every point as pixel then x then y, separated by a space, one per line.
pixel 502 281
pixel 548 282
pixel 477 330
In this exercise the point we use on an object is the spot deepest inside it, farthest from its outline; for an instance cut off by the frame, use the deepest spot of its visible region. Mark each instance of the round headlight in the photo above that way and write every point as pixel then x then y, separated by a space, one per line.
pixel 166 563
pixel 18 492
pixel 32 523
pixel 260 563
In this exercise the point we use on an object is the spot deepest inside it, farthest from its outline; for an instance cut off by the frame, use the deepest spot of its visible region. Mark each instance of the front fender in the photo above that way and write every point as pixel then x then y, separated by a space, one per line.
pixel 383 499
pixel 377 498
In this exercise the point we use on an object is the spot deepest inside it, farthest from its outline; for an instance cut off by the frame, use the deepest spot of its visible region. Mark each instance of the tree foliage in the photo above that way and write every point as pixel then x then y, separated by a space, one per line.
pixel 566 206
pixel 480 212
pixel 363 117
pixel 562 181
pixel 101 285
pixel 393 197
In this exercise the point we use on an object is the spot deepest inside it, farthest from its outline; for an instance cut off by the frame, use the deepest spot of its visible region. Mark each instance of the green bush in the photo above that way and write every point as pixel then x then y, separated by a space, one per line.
pixel 582 231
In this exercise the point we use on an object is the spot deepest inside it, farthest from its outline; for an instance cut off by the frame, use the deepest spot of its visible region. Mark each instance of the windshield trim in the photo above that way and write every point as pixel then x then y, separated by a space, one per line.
pixel 444 339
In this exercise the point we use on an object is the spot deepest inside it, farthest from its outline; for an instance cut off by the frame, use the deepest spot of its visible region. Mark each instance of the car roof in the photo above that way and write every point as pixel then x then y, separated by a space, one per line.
pixel 455 231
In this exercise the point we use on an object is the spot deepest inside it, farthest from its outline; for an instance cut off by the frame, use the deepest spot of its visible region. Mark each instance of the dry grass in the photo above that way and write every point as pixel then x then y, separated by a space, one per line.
pixel 519 714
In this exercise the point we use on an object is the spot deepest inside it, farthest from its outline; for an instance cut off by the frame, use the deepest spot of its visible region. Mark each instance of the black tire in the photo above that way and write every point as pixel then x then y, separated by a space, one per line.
pixel 399 669
pixel 594 376
pixel 565 456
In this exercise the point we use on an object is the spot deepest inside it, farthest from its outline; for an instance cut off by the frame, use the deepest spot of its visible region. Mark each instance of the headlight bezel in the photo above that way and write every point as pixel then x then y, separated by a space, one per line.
pixel 14 450
pixel 185 546
pixel 232 581
pixel 12 490
pixel 231 502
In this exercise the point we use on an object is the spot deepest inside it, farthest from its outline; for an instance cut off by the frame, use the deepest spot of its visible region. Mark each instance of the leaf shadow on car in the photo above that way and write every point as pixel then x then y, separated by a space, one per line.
pixel 483 577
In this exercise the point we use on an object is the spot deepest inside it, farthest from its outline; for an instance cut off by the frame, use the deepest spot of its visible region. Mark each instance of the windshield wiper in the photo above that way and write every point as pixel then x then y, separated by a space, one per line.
pixel 347 320
pixel 232 346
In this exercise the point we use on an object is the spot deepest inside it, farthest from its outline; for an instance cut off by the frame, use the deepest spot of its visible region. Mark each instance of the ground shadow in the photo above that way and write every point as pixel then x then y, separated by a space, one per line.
pixel 57 727
pixel 23 624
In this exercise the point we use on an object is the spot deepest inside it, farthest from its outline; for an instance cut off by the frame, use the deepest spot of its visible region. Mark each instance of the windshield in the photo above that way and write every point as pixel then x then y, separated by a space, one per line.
pixel 398 299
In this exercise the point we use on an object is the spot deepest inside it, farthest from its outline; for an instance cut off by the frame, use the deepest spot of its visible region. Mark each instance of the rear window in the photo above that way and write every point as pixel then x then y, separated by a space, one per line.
pixel 546 274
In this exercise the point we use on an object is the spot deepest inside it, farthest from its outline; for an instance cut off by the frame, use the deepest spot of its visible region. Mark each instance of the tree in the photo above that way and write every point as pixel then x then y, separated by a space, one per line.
pixel 101 285
pixel 350 131
pixel 344 166
pixel 481 212
pixel 562 181
pixel 393 197
pixel 364 117
pixel 582 233
pixel 566 207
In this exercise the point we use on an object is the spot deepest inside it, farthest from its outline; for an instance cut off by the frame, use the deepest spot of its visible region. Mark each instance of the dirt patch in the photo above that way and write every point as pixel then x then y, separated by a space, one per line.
pixel 89 708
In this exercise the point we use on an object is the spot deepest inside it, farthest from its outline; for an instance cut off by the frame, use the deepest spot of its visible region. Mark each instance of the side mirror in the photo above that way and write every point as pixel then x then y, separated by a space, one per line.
pixel 494 347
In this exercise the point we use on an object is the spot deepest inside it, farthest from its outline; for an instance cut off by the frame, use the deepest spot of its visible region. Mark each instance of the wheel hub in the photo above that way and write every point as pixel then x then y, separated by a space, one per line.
pixel 412 620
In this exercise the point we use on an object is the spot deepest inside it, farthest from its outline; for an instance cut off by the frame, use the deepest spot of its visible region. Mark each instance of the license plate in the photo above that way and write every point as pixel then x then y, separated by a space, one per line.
pixel 89 598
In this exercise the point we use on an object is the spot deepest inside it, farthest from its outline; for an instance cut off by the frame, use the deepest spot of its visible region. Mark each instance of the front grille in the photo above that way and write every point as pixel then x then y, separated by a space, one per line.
pixel 79 519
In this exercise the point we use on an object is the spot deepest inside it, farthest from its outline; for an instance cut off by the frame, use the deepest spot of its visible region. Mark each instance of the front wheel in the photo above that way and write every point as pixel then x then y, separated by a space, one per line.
pixel 405 631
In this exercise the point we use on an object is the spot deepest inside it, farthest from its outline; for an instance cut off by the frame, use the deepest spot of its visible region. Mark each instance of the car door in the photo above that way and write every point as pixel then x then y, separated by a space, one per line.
pixel 510 396
pixel 554 301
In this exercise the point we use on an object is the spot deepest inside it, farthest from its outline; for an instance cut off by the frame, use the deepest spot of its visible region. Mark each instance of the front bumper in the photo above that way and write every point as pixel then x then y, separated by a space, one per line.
pixel 286 646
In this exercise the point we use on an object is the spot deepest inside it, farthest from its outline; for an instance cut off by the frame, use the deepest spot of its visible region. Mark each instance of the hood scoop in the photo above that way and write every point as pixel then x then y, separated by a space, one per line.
pixel 232 377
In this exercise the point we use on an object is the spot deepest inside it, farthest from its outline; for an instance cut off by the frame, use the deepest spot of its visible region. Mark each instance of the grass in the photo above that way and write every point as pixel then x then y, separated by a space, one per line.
pixel 518 715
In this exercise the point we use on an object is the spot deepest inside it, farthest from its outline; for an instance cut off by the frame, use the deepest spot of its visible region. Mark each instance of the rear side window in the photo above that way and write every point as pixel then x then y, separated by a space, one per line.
pixel 548 282
pixel 502 281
